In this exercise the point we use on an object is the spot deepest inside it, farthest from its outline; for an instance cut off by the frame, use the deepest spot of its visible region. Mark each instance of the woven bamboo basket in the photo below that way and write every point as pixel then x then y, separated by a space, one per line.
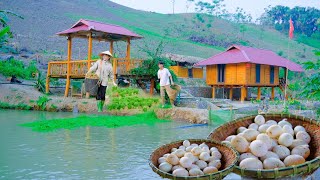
pixel 312 162
pixel 228 160
pixel 91 86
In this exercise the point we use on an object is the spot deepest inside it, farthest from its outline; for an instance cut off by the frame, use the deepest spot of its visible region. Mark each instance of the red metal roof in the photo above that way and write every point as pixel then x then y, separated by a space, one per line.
pixel 243 54
pixel 88 25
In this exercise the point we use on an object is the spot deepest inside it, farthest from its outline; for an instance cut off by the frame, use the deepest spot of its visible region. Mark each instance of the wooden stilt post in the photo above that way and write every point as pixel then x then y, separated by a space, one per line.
pixel 213 92
pixel 89 57
pixel 111 47
pixel 285 73
pixel 128 55
pixel 272 93
pixel 231 93
pixel 66 92
pixel 259 93
pixel 243 93
pixel 114 61
pixel 48 79
pixel 89 49
pixel 152 87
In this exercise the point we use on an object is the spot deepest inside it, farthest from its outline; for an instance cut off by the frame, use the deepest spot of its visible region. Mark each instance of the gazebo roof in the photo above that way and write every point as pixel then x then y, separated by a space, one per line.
pixel 99 31
pixel 243 54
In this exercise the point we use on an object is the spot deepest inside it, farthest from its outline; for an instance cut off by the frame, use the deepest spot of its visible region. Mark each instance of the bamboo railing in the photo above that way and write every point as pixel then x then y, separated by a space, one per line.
pixel 78 68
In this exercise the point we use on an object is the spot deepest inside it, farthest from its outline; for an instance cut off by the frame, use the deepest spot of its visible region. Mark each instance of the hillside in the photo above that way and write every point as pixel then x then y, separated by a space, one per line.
pixel 183 33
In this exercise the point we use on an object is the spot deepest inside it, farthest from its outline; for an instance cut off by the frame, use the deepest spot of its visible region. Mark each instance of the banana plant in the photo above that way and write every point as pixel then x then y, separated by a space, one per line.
pixel 5 31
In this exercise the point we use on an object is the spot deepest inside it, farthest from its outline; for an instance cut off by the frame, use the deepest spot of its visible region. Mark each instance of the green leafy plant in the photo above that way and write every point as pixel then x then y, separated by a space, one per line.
pixel 132 102
pixel 40 83
pixel 5 31
pixel 311 86
pixel 286 109
pixel 126 98
pixel 122 92
pixel 53 108
pixel 255 101
pixel 42 102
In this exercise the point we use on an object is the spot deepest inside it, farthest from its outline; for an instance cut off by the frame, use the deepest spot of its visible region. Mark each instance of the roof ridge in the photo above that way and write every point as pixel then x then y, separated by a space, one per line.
pixel 101 22
pixel 76 23
pixel 242 51
pixel 256 48
pixel 245 55
pixel 208 59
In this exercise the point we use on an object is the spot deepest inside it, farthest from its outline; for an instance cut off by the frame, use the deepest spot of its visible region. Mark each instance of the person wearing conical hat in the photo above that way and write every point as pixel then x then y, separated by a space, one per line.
pixel 103 69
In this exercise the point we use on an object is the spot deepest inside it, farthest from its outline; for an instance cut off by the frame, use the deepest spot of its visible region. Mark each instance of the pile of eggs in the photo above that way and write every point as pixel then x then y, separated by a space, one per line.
pixel 191 160
pixel 268 144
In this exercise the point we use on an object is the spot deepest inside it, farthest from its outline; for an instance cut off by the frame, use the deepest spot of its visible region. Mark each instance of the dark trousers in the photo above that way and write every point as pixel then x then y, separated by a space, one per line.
pixel 101 95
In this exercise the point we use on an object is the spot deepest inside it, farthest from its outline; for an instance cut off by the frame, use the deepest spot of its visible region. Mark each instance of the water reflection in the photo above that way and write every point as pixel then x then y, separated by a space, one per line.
pixel 83 153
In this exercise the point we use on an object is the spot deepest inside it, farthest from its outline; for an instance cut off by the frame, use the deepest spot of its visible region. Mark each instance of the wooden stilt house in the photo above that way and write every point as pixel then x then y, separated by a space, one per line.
pixel 92 30
pixel 243 67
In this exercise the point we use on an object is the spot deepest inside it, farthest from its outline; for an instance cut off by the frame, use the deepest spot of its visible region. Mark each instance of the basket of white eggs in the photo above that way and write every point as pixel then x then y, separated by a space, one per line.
pixel 272 145
pixel 194 159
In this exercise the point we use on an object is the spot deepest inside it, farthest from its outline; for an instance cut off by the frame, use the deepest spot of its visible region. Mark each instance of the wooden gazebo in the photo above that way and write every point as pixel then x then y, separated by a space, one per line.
pixel 243 67
pixel 92 30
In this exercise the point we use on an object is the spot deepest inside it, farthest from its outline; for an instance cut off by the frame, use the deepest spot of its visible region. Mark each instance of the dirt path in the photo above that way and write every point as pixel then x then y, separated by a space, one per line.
pixel 15 94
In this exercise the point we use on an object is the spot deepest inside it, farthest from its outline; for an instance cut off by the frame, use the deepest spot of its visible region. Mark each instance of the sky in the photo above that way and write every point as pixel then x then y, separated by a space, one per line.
pixel 254 7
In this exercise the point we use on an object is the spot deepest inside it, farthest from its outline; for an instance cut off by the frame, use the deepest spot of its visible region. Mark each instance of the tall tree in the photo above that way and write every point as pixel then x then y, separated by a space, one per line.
pixel 240 16
pixel 305 19
pixel 215 8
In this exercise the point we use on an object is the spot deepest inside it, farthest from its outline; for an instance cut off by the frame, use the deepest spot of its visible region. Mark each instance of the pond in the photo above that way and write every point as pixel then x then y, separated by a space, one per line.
pixel 84 153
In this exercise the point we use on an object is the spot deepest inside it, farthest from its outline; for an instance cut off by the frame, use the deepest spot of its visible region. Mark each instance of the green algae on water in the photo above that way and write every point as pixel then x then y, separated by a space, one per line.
pixel 148 118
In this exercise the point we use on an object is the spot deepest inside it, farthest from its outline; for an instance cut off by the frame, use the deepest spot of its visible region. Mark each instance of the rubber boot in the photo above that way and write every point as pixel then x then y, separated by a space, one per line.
pixel 163 101
pixel 172 103
pixel 99 106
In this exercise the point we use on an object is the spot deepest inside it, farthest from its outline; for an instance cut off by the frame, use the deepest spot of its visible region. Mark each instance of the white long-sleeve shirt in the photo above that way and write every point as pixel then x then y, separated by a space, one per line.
pixel 164 75
pixel 103 70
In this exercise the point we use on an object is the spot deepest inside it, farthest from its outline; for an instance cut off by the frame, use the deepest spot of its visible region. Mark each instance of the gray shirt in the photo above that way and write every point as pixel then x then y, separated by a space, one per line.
pixel 103 70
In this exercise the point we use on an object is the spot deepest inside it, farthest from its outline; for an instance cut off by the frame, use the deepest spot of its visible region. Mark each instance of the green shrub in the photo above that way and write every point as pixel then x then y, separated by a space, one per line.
pixel 13 67
pixel 311 84
pixel 150 68
pixel 42 102
pixel 20 106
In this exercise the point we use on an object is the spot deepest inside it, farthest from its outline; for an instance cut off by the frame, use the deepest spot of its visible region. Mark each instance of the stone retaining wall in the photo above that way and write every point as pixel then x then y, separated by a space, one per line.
pixel 191 115
pixel 205 92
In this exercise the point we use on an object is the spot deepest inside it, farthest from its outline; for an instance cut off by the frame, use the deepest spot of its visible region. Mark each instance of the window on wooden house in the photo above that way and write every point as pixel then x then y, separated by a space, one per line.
pixel 271 74
pixel 190 73
pixel 221 72
pixel 258 67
